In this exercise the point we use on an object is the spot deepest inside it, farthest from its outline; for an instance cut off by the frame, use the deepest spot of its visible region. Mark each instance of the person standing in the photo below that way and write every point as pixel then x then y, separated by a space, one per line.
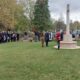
pixel 42 39
pixel 58 38
pixel 17 36
pixel 62 34
pixel 47 38
pixel 36 36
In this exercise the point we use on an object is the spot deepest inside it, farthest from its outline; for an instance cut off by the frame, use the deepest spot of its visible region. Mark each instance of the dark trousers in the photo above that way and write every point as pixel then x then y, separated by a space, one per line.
pixel 58 43
pixel 47 43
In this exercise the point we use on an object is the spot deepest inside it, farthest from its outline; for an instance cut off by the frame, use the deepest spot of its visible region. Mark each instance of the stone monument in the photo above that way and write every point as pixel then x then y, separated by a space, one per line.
pixel 68 42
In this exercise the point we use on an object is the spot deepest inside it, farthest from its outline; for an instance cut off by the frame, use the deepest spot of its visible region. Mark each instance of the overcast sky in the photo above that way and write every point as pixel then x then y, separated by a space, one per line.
pixel 58 8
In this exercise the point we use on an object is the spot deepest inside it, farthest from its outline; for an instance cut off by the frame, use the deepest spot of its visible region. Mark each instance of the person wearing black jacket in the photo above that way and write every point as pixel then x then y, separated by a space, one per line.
pixel 47 38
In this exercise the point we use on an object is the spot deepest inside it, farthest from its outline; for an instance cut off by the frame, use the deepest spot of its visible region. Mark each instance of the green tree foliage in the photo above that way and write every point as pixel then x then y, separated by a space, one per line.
pixel 28 9
pixel 12 15
pixel 41 19
pixel 7 9
pixel 59 25
pixel 21 19
pixel 75 25
pixel 22 23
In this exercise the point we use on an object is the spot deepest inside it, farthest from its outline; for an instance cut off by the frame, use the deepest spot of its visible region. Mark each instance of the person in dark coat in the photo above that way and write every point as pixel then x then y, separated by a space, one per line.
pixel 0 37
pixel 62 34
pixel 17 35
pixel 47 38
pixel 36 36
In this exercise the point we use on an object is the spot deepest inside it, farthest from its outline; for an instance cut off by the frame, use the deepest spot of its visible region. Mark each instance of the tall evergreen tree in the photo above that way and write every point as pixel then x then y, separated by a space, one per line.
pixel 41 19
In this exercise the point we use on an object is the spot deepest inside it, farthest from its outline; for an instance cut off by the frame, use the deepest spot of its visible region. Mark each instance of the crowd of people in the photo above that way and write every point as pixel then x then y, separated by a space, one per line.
pixel 37 36
pixel 43 37
pixel 8 36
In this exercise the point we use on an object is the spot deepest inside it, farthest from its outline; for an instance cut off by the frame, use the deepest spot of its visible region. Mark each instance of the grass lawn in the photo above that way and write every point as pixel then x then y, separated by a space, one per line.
pixel 29 61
